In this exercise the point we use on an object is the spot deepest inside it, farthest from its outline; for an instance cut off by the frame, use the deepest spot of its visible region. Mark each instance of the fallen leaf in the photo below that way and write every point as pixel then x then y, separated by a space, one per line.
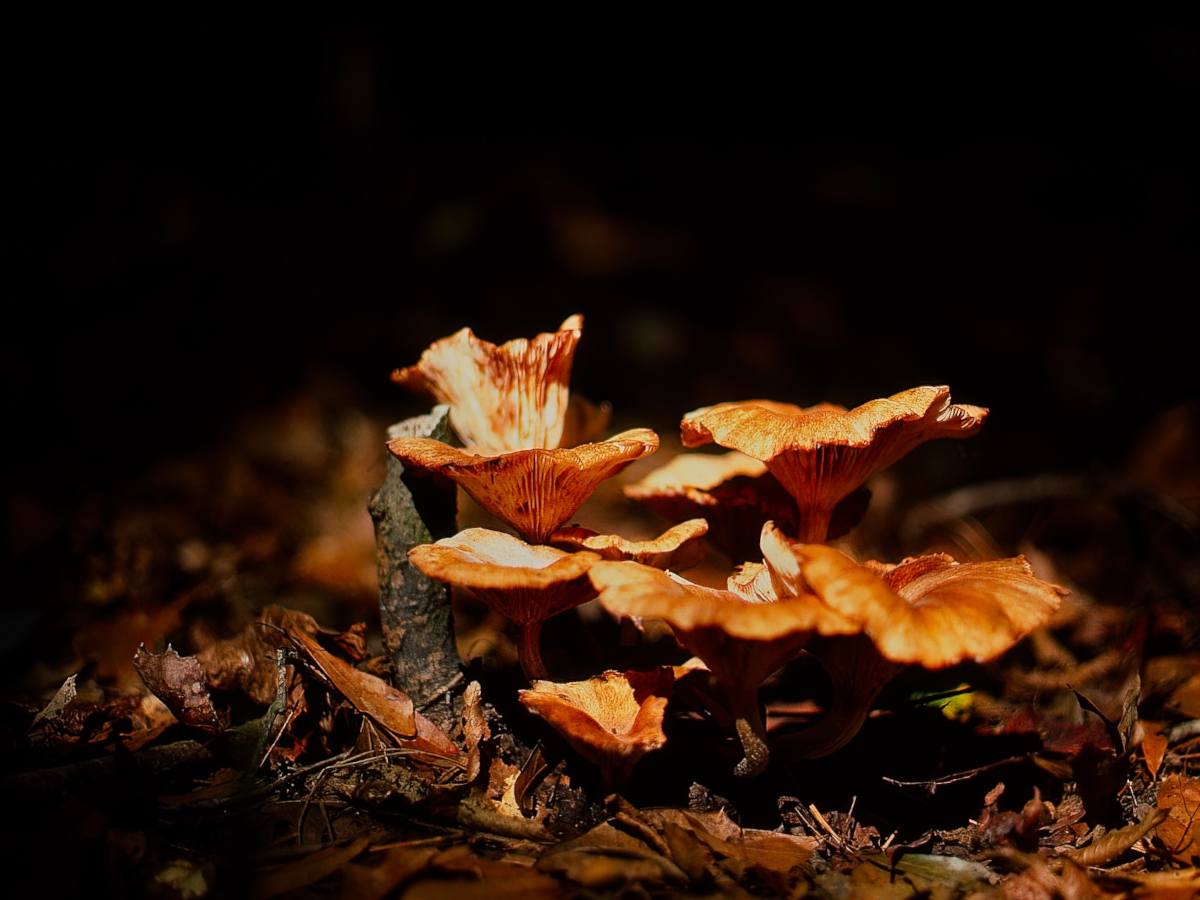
pixel 1180 797
pixel 1154 746
pixel 1113 843
pixel 63 696
pixel 389 708
pixel 180 683
pixel 246 661
pixel 374 879
pixel 475 729
pixel 306 870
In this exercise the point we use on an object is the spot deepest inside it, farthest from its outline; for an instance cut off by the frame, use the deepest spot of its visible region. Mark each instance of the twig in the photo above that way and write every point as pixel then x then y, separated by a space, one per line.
pixel 837 840
pixel 415 611
pixel 934 783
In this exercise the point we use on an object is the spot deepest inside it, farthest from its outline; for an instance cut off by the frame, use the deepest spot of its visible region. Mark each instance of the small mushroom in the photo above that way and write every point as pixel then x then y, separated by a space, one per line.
pixel 526 584
pixel 509 397
pixel 676 548
pixel 733 492
pixel 821 454
pixel 535 491
pixel 741 641
pixel 929 611
pixel 612 720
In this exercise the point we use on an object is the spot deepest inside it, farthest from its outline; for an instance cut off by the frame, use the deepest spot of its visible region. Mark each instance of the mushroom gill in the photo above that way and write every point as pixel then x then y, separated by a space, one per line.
pixel 535 491
pixel 613 720
pixel 505 397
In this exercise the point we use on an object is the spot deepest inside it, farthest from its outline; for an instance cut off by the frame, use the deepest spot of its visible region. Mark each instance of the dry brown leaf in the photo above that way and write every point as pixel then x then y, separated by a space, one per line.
pixel 477 876
pixel 374 879
pixel 475 728
pixel 389 708
pixel 180 683
pixel 246 661
pixel 1154 746
pixel 1114 843
pixel 306 870
pixel 1179 796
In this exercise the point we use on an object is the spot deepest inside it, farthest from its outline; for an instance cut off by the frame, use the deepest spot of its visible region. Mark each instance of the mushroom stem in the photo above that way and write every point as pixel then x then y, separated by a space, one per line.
pixel 858 674
pixel 812 524
pixel 529 650
pixel 752 733
pixel 836 728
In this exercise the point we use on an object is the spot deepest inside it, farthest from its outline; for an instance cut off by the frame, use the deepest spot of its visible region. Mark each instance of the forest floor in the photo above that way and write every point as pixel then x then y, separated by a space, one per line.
pixel 1063 769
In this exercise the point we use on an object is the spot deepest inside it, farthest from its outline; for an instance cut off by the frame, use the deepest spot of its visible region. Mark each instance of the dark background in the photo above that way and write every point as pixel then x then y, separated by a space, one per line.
pixel 214 226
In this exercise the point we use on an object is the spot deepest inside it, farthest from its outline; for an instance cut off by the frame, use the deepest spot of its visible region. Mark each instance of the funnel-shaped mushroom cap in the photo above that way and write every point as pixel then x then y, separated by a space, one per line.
pixel 534 491
pixel 823 453
pixel 732 491
pixel 676 548
pixel 508 397
pixel 523 583
pixel 740 641
pixel 612 720
pixel 932 610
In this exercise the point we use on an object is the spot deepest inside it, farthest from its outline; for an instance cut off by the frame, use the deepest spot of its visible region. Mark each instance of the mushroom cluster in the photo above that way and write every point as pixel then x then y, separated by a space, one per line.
pixel 529 455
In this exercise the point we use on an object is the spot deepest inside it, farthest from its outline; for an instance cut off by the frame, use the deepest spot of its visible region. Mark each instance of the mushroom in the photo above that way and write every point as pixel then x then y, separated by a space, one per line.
pixel 733 492
pixel 509 397
pixel 739 639
pixel 928 610
pixel 526 584
pixel 535 491
pixel 613 720
pixel 821 454
pixel 676 548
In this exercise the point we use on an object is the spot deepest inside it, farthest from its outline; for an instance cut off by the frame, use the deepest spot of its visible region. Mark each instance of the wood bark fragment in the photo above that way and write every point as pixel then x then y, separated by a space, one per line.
pixel 418 626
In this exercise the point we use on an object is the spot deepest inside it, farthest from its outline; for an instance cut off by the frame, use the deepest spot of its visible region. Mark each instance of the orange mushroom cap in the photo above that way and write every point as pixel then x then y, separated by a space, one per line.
pixel 676 548
pixel 612 720
pixel 733 492
pixel 508 397
pixel 523 583
pixel 822 453
pixel 739 640
pixel 527 584
pixel 931 610
pixel 534 491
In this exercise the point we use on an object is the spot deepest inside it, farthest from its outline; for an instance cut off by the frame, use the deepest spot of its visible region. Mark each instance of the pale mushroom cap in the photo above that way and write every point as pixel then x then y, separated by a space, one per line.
pixel 732 491
pixel 613 719
pixel 534 491
pixel 752 583
pixel 822 453
pixel 524 583
pixel 671 549
pixel 931 610
pixel 695 471
pixel 513 396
